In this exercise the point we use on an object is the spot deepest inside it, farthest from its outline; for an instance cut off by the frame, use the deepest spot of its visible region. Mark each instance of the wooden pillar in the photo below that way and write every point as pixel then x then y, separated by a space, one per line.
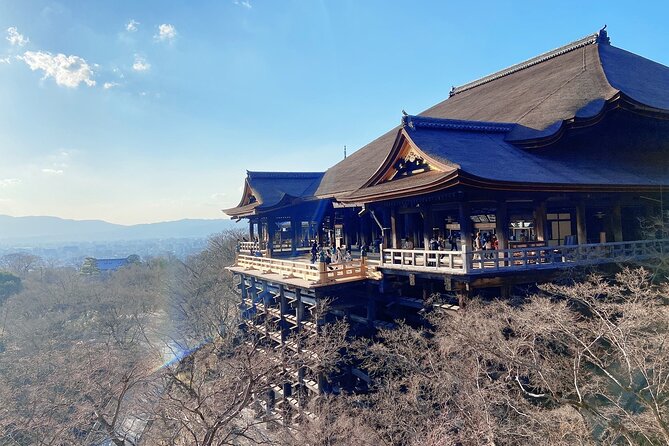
pixel 243 290
pixel 295 226
pixel 465 220
pixel 365 233
pixel 540 222
pixel 299 311
pixel 271 229
pixel 463 293
pixel 502 224
pixel 412 220
pixel 394 223
pixel 581 232
pixel 371 311
pixel 427 226
pixel 251 231
pixel 617 222
pixel 465 225
pixel 283 309
pixel 253 290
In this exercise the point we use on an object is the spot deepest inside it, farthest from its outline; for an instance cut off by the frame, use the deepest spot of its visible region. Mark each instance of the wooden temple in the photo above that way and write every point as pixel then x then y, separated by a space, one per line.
pixel 558 162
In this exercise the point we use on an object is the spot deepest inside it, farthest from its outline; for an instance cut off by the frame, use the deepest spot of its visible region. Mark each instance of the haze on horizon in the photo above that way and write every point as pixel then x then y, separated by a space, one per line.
pixel 138 112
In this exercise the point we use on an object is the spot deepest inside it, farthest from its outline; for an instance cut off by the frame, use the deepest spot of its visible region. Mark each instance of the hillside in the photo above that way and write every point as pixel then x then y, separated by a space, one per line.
pixel 53 229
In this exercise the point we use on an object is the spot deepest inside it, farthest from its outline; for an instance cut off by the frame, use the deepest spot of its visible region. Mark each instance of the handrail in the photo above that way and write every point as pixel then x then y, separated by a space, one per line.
pixel 428 259
pixel 319 273
pixel 535 257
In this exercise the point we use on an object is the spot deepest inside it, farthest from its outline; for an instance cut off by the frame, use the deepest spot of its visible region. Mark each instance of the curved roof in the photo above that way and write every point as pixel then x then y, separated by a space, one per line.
pixel 575 81
pixel 266 190
pixel 482 156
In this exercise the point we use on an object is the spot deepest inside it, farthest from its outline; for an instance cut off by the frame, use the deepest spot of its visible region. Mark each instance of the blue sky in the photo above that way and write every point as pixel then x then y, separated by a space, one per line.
pixel 147 111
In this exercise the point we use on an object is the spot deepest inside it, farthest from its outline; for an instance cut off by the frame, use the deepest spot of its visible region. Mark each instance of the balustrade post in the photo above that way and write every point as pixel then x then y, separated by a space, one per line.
pixel 363 263
pixel 466 261
pixel 322 269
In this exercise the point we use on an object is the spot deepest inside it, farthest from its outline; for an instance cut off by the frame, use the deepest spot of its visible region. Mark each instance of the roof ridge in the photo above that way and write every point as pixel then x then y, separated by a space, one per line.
pixel 284 174
pixel 598 37
pixel 456 124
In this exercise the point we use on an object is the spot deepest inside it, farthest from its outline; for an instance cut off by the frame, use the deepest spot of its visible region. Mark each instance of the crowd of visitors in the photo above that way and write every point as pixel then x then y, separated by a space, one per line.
pixel 330 254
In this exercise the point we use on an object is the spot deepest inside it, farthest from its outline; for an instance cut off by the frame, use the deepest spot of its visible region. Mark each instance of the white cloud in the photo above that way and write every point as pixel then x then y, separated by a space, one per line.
pixel 6 60
pixel 15 38
pixel 53 171
pixel 140 64
pixel 218 196
pixel 68 71
pixel 245 3
pixel 166 32
pixel 131 26
pixel 7 182
pixel 108 85
pixel 118 72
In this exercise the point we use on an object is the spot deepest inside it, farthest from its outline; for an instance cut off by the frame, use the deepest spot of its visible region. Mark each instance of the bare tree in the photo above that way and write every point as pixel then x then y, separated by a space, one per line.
pixel 75 356
pixel 578 364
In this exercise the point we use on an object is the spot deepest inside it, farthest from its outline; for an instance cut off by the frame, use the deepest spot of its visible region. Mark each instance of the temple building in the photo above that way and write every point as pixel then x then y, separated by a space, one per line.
pixel 556 162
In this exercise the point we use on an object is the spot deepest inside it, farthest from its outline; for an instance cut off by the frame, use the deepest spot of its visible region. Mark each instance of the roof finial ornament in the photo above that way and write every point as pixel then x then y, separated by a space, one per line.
pixel 406 120
pixel 603 37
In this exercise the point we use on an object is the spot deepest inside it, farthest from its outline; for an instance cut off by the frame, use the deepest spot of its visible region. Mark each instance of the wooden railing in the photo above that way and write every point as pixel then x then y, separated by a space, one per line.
pixel 318 273
pixel 246 247
pixel 561 256
pixel 476 262
pixel 422 258
pixel 278 247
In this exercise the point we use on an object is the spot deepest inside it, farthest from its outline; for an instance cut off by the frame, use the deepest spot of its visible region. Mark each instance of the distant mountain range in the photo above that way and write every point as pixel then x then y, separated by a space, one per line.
pixel 54 229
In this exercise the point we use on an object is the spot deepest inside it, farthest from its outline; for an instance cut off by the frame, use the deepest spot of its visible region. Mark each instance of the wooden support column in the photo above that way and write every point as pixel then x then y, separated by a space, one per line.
pixel 581 232
pixel 365 236
pixel 465 233
pixel 351 228
pixel 463 292
pixel 299 311
pixel 253 290
pixel 540 222
pixel 427 226
pixel 271 229
pixel 412 224
pixel 242 288
pixel 295 226
pixel 502 224
pixel 394 223
pixel 283 309
pixel 371 311
pixel 386 234
pixel 617 222
pixel 251 230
